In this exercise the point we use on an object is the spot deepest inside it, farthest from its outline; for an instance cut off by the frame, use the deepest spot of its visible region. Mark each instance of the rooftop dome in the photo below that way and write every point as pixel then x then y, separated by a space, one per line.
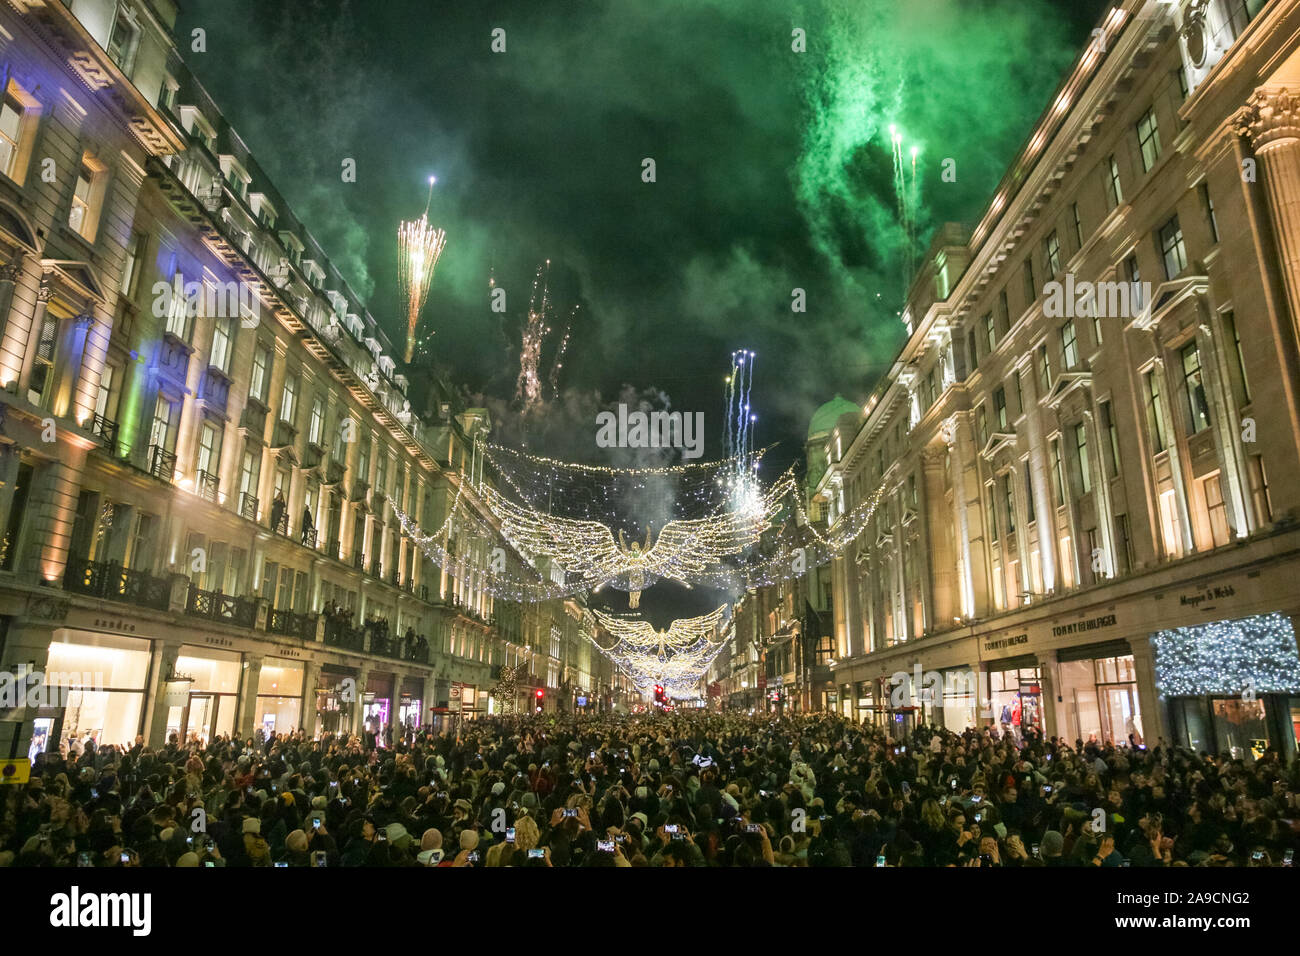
pixel 825 418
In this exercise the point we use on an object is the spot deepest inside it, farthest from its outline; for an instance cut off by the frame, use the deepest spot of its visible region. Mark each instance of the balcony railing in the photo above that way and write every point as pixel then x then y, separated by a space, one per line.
pixel 162 463
pixel 111 581
pixel 206 485
pixel 377 569
pixel 341 633
pixel 292 624
pixel 309 537
pixel 332 548
pixel 248 506
pixel 105 429
pixel 358 560
pixel 221 607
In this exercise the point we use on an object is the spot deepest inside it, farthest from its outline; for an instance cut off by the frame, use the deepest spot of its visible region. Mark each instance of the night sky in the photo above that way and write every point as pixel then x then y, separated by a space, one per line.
pixel 773 168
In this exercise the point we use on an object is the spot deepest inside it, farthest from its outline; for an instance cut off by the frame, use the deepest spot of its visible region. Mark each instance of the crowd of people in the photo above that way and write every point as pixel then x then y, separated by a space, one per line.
pixel 692 789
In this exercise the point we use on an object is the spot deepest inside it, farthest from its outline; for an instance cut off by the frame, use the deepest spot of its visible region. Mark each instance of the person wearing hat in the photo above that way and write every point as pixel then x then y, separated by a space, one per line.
pixel 1051 848
pixel 468 850
pixel 256 849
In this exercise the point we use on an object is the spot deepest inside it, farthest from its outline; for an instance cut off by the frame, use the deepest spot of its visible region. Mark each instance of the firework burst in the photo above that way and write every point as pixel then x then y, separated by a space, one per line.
pixel 419 246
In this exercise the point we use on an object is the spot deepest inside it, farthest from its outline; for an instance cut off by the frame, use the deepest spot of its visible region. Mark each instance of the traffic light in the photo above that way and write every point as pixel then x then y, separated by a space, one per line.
pixel 659 693
pixel 540 692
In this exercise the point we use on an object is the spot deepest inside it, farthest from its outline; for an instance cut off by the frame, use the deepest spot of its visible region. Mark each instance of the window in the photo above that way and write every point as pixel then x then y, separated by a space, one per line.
pixel 1198 408
pixel 178 310
pixel 1081 458
pixel 1180 77
pixel 43 365
pixel 1078 225
pixel 381 470
pixel 131 268
pixel 1069 345
pixel 17 131
pixel 1020 391
pixel 261 378
pixel 103 397
pixel 80 214
pixel 1112 437
pixel 971 351
pixel 1238 357
pixel 363 460
pixel 1114 191
pixel 1207 204
pixel 209 449
pixel 161 432
pixel 1031 289
pixel 1156 429
pixel 1030 516
pixel 1058 473
pixel 249 472
pixel 122 39
pixel 289 399
pixel 1216 510
pixel 1259 489
pixel 1004 313
pixel 1052 248
pixel 1000 408
pixel 1134 275
pixel 1124 560
pixel 1009 502
pixel 1044 371
pixel 1148 133
pixel 222 343
pixel 990 334
pixel 982 425
pixel 1170 239
pixel 316 430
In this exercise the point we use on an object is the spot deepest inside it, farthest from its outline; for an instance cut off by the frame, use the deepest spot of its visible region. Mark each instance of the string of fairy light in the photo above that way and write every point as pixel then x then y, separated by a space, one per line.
pixel 676 658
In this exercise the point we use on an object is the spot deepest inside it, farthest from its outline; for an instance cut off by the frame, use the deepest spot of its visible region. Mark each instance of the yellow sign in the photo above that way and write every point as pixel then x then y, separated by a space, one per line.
pixel 15 771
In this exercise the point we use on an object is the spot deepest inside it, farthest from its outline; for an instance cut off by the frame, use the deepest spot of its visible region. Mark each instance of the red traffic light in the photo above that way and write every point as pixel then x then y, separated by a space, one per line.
pixel 539 692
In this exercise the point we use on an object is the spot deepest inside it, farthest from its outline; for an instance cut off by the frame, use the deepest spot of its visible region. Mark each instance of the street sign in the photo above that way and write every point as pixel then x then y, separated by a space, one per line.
pixel 15 771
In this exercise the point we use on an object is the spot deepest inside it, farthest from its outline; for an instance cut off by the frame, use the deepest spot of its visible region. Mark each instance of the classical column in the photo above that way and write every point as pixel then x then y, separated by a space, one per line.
pixel 1270 121
pixel 951 431
pixel 1151 704
pixel 164 665
pixel 9 273
pixel 1101 501
pixel 940 558
pixel 247 714
pixel 307 715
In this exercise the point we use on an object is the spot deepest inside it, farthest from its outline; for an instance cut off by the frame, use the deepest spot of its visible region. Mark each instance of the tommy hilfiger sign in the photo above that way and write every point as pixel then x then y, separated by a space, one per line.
pixel 1091 624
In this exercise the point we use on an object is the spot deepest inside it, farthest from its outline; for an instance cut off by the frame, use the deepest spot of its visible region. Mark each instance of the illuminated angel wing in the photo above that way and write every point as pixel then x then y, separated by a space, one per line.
pixel 696 545
pixel 638 633
pixel 586 548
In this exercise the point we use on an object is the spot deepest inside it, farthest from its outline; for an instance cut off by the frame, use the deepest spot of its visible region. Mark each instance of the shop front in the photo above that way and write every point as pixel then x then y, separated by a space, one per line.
pixel 1098 690
pixel 206 708
pixel 1016 696
pixel 379 712
pixel 960 703
pixel 279 696
pixel 336 696
pixel 410 713
pixel 1232 686
pixel 102 679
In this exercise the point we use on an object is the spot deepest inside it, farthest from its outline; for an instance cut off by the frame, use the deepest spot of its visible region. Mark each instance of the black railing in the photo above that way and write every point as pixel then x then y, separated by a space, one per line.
pixel 111 581
pixel 281 525
pixel 424 592
pixel 358 560
pixel 392 577
pixel 309 537
pixel 221 607
pixel 377 569
pixel 292 624
pixel 248 506
pixel 341 633
pixel 207 485
pixel 162 463
pixel 105 429
pixel 332 548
